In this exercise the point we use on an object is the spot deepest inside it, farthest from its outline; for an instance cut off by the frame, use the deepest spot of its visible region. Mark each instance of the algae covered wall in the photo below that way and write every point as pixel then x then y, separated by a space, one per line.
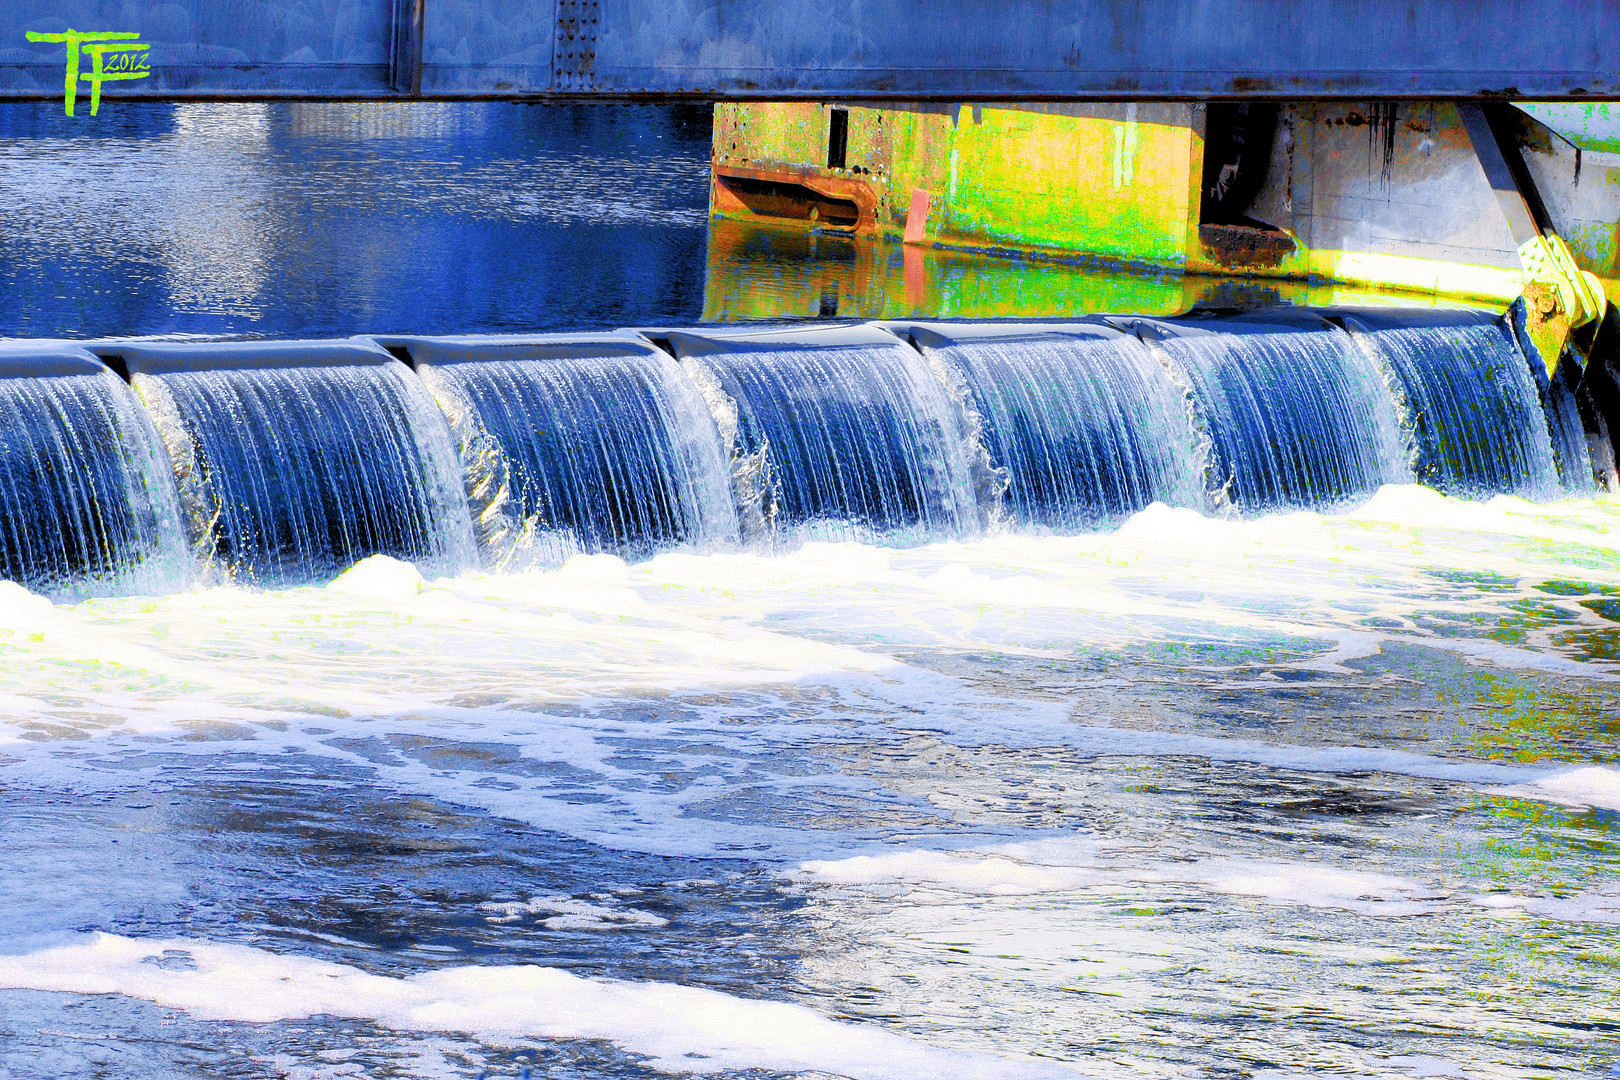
pixel 1118 182
pixel 780 133
pixel 1385 194
pixel 1115 181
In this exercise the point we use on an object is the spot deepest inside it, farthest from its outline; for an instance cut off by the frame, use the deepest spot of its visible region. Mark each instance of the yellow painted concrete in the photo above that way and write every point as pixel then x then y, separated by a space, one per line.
pixel 1106 187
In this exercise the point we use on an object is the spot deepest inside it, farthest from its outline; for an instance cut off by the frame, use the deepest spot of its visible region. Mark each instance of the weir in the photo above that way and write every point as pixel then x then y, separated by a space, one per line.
pixel 573 444
pixel 1464 405
pixel 1071 427
pixel 86 502
pixel 285 462
pixel 293 460
pixel 985 522
pixel 842 434
pixel 1294 416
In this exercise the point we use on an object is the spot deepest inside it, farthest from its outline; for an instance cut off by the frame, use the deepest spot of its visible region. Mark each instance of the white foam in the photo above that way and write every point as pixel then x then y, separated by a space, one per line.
pixel 1307 885
pixel 21 609
pixel 571 913
pixel 1279 755
pixel 1423 1066
pixel 1070 866
pixel 1600 905
pixel 680 1029
pixel 1508 656
pixel 750 659
pixel 963 872
pixel 1579 521
pixel 1079 865
pixel 1593 785
pixel 379 577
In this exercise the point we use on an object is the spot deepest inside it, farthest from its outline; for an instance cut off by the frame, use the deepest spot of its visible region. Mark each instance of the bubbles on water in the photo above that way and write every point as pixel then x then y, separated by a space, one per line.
pixel 381 578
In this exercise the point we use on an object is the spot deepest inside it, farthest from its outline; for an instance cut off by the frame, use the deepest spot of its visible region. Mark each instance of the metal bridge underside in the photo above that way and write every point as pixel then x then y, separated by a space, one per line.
pixel 857 50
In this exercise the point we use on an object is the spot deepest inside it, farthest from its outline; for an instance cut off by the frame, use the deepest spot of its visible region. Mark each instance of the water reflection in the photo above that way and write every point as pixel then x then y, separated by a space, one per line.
pixel 212 238
pixel 758 271
pixel 318 219
pixel 321 219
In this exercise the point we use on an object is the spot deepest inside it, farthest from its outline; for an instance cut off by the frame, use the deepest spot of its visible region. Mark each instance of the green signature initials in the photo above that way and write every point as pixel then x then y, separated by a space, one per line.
pixel 113 58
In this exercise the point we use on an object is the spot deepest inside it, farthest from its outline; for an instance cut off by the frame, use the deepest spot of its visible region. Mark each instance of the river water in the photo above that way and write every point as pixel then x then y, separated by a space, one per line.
pixel 1294 795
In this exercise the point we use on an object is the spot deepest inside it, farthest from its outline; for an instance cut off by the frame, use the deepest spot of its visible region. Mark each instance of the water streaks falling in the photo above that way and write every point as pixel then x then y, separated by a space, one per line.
pixel 1468 408
pixel 859 439
pixel 293 460
pixel 1083 425
pixel 1297 418
pixel 613 452
pixel 291 474
pixel 85 502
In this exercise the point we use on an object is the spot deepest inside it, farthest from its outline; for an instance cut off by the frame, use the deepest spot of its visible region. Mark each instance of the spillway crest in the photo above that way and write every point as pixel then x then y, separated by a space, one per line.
pixel 283 463
pixel 1468 407
pixel 85 502
pixel 291 474
pixel 1295 417
pixel 1082 426
pixel 856 439
pixel 581 449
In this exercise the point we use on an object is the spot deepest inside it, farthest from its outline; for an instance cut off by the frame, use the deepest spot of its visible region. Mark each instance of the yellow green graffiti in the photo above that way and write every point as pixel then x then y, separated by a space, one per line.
pixel 114 57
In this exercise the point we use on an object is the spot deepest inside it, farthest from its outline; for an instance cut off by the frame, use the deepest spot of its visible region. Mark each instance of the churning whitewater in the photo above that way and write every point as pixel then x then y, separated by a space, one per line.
pixel 1105 698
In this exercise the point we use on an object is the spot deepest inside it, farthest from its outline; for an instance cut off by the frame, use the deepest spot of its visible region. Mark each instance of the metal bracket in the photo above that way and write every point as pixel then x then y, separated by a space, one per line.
pixel 573 50
pixel 405 49
pixel 1559 296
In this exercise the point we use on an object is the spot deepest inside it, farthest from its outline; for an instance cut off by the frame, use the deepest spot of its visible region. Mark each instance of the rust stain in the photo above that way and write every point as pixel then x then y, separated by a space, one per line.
pixel 1236 246
pixel 798 193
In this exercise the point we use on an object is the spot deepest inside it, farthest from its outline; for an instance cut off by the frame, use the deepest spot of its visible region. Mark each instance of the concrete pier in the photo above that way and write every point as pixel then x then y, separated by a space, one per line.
pixel 1376 194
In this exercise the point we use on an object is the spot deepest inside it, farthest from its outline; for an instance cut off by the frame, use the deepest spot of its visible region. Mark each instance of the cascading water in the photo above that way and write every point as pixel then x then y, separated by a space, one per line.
pixel 835 433
pixel 579 445
pixel 1296 415
pixel 86 505
pixel 292 460
pixel 1081 421
pixel 1467 402
pixel 295 460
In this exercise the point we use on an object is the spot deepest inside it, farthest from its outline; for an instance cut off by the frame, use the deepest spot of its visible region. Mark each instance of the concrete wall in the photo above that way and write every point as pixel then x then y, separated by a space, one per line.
pixel 1386 193
pixel 1364 193
pixel 1581 190
pixel 1396 179
pixel 1400 182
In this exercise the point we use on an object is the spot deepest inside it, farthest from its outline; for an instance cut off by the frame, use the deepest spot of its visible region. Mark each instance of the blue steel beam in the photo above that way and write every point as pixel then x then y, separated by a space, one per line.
pixel 845 49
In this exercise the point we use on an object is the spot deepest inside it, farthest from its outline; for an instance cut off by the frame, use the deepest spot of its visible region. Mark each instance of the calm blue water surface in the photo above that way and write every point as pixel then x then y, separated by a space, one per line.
pixel 270 220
